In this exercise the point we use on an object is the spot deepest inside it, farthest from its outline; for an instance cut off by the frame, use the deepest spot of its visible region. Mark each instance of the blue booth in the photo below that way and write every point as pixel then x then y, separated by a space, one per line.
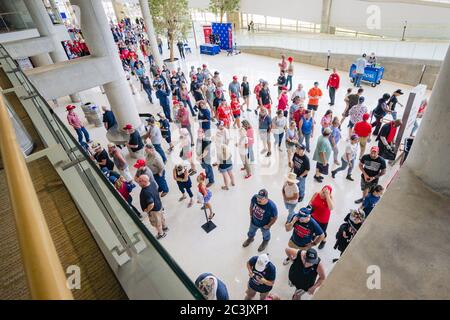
pixel 372 74
pixel 211 49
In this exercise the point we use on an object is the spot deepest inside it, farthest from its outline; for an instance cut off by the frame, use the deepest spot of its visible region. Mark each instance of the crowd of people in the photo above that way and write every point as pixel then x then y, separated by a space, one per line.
pixel 244 117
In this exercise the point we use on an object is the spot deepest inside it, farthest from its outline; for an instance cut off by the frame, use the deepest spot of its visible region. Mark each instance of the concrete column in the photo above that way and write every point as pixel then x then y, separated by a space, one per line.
pixel 95 27
pixel 326 14
pixel 148 20
pixel 430 153
pixel 46 28
pixel 119 9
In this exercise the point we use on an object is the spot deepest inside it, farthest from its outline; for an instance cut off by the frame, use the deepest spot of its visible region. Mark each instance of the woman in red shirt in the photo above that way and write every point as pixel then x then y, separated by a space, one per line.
pixel 236 109
pixel 322 204
pixel 224 113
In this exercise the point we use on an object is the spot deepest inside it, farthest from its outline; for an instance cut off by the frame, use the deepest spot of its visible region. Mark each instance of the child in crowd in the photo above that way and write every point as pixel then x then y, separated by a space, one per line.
pixel 204 195
pixel 372 199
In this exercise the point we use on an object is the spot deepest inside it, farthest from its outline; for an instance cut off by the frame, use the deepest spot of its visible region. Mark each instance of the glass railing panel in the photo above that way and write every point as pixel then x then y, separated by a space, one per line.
pixel 141 264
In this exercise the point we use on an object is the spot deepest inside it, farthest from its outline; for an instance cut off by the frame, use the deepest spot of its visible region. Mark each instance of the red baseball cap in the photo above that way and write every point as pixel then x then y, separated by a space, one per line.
pixel 290 59
pixel 366 116
pixel 139 163
pixel 374 148
pixel 70 107
pixel 204 65
pixel 235 77
pixel 128 127
pixel 194 77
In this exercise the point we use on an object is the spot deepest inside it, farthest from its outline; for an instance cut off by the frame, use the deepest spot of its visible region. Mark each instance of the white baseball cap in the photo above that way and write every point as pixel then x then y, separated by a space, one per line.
pixel 262 262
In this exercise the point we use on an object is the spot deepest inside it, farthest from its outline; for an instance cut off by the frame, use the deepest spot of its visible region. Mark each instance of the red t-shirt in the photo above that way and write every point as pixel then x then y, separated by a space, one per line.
pixel 282 102
pixel 223 114
pixel 298 114
pixel 363 129
pixel 183 116
pixel 321 212
pixel 257 90
pixel 235 107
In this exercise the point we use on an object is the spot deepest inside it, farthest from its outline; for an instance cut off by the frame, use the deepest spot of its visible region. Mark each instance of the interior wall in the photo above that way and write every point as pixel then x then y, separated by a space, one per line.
pixel 424 21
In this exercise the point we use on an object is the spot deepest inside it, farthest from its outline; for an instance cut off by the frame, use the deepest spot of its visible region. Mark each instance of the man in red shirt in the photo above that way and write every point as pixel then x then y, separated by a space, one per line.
pixel 333 85
pixel 363 129
pixel 236 110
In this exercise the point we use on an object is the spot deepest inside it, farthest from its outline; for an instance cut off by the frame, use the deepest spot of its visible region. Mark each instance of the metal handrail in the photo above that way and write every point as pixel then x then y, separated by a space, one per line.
pixel 43 269
pixel 182 276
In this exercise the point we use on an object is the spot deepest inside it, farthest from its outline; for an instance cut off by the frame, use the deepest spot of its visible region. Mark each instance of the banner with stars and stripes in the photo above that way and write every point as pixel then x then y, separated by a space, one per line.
pixel 225 32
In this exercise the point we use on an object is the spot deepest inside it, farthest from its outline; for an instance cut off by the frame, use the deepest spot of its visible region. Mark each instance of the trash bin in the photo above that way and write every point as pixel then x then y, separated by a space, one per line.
pixel 93 114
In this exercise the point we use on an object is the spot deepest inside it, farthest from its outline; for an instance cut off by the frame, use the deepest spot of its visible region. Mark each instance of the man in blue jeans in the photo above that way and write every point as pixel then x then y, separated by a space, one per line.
pixel 263 214
pixel 360 66
pixel 300 166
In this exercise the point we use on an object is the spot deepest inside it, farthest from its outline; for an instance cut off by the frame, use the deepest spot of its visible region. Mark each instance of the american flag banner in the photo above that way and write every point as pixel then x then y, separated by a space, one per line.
pixel 225 32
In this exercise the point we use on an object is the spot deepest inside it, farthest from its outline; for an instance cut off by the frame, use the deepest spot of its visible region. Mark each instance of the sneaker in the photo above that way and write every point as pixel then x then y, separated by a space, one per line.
pixel 247 242
pixel 349 178
pixel 263 245
pixel 268 154
pixel 182 198
pixel 163 194
pixel 190 203
pixel 318 179
pixel 225 188
pixel 286 261
pixel 300 199
pixel 334 260
pixel 209 184
pixel 359 201
pixel 333 174
pixel 160 236
pixel 322 244
pixel 247 176
pixel 165 228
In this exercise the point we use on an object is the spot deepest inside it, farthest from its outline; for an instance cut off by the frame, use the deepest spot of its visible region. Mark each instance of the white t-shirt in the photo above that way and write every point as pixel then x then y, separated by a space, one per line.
pixel 280 124
pixel 241 145
pixel 289 191
pixel 299 93
pixel 352 149
pixel 222 136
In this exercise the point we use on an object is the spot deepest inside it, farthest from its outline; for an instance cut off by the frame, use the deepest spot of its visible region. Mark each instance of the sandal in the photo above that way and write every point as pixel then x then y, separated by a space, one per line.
pixel 225 188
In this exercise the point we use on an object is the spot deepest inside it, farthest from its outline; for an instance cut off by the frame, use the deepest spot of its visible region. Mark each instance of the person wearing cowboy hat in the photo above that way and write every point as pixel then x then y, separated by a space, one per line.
pixel 75 122
pixel 135 143
pixel 290 194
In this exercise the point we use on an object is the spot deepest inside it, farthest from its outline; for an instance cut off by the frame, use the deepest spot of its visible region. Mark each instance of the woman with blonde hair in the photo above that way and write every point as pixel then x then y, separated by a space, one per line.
pixel 186 149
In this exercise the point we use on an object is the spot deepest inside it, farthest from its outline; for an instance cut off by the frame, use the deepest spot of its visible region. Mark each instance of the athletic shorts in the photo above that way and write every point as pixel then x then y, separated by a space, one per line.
pixel 367 185
pixel 312 107
pixel 322 168
pixel 236 116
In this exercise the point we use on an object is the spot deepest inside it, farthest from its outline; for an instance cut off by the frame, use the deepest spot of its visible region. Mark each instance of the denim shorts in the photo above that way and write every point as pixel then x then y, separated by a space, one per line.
pixel 223 170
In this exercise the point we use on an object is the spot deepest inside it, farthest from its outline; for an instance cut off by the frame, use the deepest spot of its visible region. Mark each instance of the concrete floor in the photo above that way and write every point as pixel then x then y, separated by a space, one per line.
pixel 220 252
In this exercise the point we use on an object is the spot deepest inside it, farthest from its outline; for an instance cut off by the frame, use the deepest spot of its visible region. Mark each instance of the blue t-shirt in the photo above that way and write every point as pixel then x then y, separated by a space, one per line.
pixel 269 273
pixel 264 122
pixel 163 98
pixel 221 292
pixel 369 203
pixel 304 233
pixel 336 134
pixel 109 118
pixel 307 125
pixel 261 214
pixel 205 114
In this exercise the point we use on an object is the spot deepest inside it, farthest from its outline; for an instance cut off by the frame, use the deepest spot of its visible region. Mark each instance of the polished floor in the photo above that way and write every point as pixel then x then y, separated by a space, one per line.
pixel 220 252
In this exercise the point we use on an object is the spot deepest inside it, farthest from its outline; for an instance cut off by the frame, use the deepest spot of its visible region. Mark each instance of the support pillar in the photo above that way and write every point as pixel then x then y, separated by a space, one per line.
pixel 326 14
pixel 46 28
pixel 430 152
pixel 148 20
pixel 95 28
pixel 118 10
